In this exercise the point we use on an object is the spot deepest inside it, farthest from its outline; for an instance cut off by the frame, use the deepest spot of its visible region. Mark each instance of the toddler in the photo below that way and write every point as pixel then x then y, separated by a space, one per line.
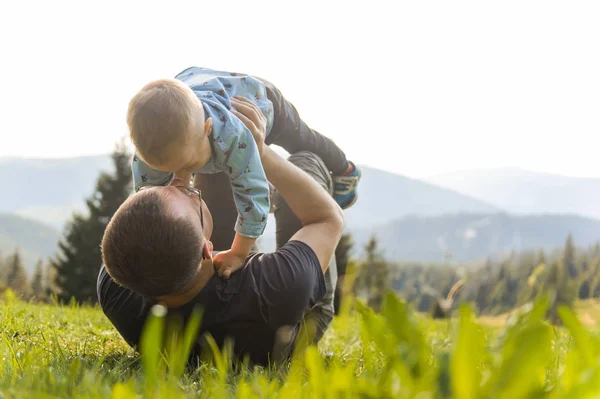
pixel 185 125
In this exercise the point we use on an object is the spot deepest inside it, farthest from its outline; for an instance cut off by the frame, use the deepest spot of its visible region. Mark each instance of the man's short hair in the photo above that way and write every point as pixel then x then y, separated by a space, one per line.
pixel 148 250
pixel 159 115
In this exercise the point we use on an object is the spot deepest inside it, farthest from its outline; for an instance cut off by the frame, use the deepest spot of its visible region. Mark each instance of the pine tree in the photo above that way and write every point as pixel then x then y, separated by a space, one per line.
pixel 342 251
pixel 80 259
pixel 569 257
pixel 342 255
pixel 37 282
pixel 50 280
pixel 561 289
pixel 595 282
pixel 16 278
pixel 374 275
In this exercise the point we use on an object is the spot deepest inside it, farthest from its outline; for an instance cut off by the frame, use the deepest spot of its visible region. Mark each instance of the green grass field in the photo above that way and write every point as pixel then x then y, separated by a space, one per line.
pixel 51 351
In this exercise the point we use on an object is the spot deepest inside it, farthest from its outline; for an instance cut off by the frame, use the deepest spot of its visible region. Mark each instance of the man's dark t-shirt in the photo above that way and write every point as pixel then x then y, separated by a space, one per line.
pixel 273 290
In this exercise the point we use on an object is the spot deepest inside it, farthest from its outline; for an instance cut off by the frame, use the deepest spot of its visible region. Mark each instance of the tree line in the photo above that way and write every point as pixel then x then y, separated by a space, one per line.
pixel 13 276
pixel 493 287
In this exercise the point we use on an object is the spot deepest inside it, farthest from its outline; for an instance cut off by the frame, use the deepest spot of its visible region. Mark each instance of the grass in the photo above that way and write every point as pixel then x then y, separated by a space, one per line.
pixel 52 351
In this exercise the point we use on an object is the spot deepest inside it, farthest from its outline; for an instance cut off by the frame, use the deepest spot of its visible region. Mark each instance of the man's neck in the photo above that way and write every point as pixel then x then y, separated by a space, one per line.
pixel 204 275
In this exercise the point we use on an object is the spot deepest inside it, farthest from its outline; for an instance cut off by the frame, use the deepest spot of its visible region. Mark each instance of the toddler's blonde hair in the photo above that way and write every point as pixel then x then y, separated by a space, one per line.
pixel 159 115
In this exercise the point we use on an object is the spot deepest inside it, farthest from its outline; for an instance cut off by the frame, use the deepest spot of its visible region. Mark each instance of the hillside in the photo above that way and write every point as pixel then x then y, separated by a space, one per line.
pixel 520 191
pixel 49 190
pixel 474 237
pixel 385 196
pixel 35 240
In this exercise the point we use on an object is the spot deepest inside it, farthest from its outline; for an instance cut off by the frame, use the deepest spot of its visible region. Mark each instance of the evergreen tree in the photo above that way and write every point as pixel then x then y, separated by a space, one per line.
pixel 595 278
pixel 561 289
pixel 342 252
pixel 569 258
pixel 585 277
pixel 50 280
pixel 37 282
pixel 374 275
pixel 16 277
pixel 79 259
pixel 342 255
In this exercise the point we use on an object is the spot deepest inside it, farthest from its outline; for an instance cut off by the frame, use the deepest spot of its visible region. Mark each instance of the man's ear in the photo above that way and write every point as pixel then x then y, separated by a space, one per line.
pixel 208 250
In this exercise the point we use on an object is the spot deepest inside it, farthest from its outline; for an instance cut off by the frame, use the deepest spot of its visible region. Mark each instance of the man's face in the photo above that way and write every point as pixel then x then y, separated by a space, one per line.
pixel 182 203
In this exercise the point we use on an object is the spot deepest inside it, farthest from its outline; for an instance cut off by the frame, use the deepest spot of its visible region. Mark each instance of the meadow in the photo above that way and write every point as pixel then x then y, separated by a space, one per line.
pixel 59 351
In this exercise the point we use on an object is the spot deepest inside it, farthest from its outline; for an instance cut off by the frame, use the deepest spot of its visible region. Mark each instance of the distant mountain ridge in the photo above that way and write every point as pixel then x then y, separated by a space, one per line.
pixel 35 240
pixel 49 190
pixel 385 196
pixel 470 237
pixel 525 192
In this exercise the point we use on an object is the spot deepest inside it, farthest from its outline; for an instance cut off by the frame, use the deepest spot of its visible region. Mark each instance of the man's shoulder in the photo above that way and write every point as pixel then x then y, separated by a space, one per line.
pixel 272 273
pixel 289 281
pixel 292 253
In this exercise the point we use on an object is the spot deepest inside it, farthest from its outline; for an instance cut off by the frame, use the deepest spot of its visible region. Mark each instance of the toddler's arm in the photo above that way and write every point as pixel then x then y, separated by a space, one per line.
pixel 144 175
pixel 251 195
pixel 233 259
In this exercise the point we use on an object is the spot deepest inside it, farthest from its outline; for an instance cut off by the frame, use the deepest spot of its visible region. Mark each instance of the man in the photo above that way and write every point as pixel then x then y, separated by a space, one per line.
pixel 157 249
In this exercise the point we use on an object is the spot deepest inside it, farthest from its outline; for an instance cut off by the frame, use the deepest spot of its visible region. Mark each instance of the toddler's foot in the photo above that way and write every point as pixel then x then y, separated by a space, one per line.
pixel 344 189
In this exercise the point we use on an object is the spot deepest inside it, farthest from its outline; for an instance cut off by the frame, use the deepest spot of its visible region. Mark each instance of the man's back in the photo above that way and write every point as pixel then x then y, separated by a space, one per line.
pixel 273 290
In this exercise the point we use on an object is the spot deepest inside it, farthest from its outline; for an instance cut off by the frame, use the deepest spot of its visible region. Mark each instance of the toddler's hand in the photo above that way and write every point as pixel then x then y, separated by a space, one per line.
pixel 228 262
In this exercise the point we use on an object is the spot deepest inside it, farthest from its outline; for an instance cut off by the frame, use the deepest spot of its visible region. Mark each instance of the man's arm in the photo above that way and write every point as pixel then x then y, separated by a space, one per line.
pixel 321 218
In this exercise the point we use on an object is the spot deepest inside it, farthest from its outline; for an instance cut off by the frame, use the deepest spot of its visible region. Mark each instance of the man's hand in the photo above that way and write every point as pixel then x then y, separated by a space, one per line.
pixel 228 262
pixel 253 118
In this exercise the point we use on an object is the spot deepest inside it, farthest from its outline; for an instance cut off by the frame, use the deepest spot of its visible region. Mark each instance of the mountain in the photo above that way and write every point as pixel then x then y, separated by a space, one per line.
pixel 385 196
pixel 49 190
pixel 35 240
pixel 522 192
pixel 468 237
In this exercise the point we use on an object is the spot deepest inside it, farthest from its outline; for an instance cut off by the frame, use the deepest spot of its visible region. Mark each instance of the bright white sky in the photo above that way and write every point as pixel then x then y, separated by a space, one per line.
pixel 418 88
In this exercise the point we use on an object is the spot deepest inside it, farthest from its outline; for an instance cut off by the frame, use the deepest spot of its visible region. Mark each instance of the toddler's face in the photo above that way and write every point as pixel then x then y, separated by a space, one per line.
pixel 191 152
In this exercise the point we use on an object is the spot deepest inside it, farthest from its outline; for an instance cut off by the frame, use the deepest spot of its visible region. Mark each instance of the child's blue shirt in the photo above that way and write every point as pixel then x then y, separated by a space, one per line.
pixel 233 147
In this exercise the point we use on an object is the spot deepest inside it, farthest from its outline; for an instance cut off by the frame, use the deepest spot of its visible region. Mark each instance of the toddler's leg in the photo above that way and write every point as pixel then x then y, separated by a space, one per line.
pixel 293 134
